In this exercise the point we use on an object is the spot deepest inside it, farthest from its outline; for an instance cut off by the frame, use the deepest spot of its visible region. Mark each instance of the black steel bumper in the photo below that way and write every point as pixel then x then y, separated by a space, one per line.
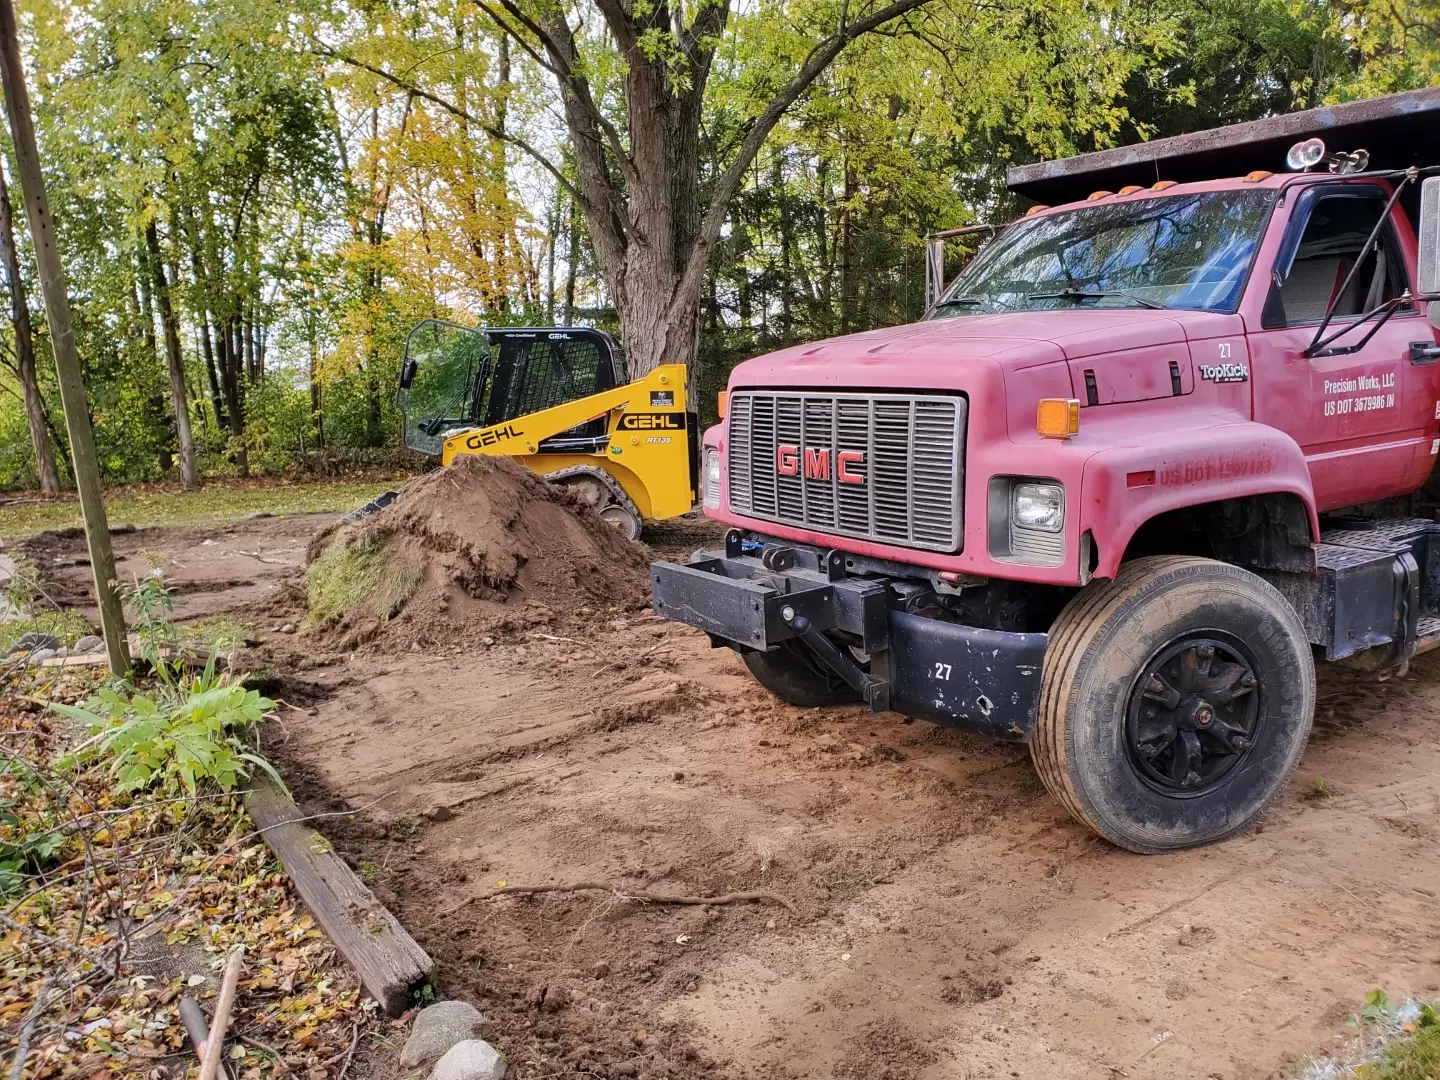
pixel 755 597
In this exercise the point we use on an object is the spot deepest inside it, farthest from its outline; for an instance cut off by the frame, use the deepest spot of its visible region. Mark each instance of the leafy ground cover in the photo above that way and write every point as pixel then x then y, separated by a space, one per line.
pixel 1393 1041
pixel 153 505
pixel 129 871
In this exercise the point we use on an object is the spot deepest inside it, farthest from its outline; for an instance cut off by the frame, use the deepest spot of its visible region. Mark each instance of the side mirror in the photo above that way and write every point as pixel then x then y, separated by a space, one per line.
pixel 407 372
pixel 1429 260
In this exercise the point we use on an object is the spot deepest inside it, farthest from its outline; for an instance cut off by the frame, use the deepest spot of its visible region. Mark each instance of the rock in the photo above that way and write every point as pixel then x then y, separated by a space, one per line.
pixel 600 970
pixel 34 640
pixel 288 628
pixel 439 812
pixel 473 1059
pixel 437 1029
pixel 89 643
pixel 41 654
pixel 625 1068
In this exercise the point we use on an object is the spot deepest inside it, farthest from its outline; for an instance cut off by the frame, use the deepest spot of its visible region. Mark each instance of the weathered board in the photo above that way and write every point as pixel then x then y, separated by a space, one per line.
pixel 389 962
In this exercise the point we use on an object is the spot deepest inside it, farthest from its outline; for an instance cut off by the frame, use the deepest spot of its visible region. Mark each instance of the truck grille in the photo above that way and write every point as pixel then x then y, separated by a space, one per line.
pixel 884 467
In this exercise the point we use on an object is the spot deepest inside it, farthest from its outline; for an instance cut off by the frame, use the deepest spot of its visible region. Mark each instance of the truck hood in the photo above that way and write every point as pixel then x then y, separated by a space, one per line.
pixel 945 353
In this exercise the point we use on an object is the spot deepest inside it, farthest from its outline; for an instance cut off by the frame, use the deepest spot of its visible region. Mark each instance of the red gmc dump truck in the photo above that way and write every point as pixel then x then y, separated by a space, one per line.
pixel 1160 447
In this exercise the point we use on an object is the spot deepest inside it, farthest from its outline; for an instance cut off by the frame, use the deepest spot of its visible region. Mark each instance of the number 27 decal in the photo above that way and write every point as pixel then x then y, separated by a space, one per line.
pixel 942 671
pixel 1224 350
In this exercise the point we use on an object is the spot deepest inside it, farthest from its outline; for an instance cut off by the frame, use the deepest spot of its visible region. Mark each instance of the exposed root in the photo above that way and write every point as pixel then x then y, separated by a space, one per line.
pixel 627 894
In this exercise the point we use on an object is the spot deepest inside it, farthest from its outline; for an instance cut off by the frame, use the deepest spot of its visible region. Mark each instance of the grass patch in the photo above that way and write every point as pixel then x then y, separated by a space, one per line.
pixel 68 626
pixel 356 573
pixel 217 632
pixel 1414 1058
pixel 1393 1041
pixel 145 507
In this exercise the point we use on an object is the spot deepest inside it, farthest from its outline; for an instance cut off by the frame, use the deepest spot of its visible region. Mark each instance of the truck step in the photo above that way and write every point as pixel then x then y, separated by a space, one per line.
pixel 1427 634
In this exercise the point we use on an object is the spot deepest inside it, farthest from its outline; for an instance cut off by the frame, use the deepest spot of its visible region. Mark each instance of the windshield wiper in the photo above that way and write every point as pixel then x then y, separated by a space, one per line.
pixel 1098 294
pixel 961 301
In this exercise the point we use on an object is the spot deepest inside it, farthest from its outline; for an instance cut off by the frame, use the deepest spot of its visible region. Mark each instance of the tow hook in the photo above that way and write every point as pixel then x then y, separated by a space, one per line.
pixel 876 692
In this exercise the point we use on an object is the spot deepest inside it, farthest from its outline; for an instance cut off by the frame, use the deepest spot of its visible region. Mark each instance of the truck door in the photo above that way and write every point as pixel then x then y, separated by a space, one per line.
pixel 1364 414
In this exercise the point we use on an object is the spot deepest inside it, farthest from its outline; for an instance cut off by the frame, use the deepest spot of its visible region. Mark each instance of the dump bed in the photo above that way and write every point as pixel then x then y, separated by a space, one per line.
pixel 1399 130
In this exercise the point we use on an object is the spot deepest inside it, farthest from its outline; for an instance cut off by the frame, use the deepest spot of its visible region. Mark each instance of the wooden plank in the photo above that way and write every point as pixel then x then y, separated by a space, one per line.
pixel 194 658
pixel 389 962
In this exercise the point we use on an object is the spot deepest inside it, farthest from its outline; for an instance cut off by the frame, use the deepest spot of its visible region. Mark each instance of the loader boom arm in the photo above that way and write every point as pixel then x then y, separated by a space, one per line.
pixel 646 449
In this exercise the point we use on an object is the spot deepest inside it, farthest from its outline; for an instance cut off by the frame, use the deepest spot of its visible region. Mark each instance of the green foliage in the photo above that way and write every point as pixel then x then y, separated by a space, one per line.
pixel 307 209
pixel 28 842
pixel 186 734
pixel 151 604
pixel 1416 1056
pixel 23 599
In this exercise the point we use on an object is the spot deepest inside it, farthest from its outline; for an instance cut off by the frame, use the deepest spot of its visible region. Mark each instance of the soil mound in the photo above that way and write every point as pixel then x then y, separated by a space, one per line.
pixel 484 548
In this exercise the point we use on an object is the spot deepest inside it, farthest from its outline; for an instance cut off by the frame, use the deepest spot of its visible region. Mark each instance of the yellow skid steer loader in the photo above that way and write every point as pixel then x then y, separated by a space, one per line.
pixel 553 399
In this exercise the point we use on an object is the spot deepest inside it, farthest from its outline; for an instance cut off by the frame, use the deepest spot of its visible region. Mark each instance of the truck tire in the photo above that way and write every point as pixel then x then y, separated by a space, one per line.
pixel 793 676
pixel 1176 701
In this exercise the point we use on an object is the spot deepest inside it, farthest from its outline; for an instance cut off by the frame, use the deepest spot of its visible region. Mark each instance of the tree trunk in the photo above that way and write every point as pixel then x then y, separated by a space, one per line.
pixel 847 254
pixel 174 362
pixel 252 359
pixel 25 348
pixel 317 402
pixel 62 338
pixel 228 340
pixel 572 259
pixel 142 321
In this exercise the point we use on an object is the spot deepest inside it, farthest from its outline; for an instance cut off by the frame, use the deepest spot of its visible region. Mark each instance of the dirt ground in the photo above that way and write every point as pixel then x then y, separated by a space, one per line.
pixel 952 921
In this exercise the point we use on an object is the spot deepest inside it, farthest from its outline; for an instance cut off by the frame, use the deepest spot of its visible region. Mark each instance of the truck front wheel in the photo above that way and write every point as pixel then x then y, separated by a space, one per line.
pixel 793 675
pixel 1176 702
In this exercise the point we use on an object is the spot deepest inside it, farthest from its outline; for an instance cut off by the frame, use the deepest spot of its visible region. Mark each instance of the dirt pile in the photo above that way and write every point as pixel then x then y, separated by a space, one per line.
pixel 482 549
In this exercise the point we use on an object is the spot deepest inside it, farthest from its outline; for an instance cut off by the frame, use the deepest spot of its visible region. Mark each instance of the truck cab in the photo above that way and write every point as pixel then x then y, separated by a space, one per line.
pixel 1157 450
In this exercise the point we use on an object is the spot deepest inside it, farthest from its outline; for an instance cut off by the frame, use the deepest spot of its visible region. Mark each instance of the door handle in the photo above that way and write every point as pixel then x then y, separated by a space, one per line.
pixel 1424 352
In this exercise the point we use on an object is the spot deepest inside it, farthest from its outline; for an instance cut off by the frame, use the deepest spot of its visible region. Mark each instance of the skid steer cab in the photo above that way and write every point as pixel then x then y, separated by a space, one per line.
pixel 555 400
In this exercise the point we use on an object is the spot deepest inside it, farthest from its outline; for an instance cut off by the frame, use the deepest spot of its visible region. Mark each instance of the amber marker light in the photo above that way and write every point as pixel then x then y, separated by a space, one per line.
pixel 721 400
pixel 1057 418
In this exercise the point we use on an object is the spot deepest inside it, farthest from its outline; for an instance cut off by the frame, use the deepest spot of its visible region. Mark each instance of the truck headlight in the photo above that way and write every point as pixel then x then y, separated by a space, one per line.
pixel 1040 507
pixel 712 478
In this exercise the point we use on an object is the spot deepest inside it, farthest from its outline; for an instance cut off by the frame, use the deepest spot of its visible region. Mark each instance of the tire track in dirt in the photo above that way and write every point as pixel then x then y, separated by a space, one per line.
pixel 955 923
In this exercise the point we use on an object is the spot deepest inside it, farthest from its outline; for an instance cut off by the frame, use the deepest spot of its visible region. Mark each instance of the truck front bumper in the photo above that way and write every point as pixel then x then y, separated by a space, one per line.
pixel 756 596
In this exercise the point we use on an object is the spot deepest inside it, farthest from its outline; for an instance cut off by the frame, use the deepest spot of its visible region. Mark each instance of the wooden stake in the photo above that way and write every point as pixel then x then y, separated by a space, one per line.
pixel 215 1042
pixel 62 340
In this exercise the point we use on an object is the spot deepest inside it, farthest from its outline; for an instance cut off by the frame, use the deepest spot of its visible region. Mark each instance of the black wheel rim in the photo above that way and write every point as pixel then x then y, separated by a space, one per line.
pixel 1193 714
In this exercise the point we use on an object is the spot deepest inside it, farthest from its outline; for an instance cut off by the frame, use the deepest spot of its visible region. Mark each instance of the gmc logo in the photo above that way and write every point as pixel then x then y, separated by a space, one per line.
pixel 817 463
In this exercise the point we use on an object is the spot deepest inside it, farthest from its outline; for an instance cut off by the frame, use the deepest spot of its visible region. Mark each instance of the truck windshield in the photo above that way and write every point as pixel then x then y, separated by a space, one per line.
pixel 1177 251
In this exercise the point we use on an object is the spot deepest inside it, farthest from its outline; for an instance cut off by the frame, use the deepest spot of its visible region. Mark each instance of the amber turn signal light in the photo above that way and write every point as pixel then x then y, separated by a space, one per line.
pixel 1058 418
pixel 721 400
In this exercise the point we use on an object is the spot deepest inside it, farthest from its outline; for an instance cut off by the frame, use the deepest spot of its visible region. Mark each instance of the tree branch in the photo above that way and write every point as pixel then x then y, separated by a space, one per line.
pixel 562 65
pixel 819 59
pixel 454 110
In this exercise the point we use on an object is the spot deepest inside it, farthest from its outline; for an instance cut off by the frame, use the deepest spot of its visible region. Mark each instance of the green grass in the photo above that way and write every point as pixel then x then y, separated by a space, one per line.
pixel 356 572
pixel 68 626
pixel 1414 1058
pixel 219 501
pixel 217 632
